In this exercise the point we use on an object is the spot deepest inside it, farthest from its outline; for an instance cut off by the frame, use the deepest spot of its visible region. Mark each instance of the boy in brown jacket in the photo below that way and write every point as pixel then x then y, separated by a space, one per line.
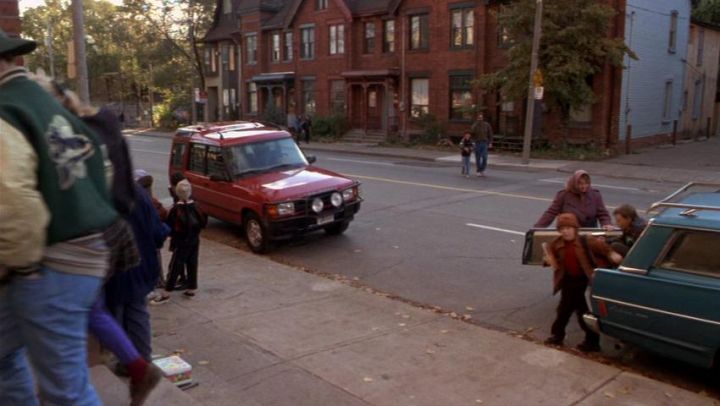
pixel 574 259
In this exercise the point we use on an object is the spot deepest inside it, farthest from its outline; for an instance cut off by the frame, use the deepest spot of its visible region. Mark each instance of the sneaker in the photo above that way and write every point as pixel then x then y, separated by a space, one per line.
pixel 554 340
pixel 587 346
pixel 189 293
pixel 139 392
pixel 160 300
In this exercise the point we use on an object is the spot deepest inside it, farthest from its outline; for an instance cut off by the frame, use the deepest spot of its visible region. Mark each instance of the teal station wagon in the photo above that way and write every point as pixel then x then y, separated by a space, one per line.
pixel 665 296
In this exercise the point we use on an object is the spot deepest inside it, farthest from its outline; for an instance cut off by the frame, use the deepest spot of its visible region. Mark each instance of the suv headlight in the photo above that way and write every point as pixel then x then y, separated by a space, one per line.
pixel 281 209
pixel 350 194
pixel 336 199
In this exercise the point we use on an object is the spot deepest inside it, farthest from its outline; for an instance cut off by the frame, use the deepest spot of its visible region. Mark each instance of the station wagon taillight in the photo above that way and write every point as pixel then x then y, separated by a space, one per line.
pixel 602 308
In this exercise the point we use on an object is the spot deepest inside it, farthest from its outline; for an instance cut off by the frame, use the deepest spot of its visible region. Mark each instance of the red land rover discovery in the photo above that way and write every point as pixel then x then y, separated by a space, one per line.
pixel 255 175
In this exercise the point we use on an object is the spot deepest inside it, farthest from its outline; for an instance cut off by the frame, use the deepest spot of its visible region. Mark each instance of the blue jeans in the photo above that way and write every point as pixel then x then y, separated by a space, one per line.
pixel 466 165
pixel 135 320
pixel 481 156
pixel 43 318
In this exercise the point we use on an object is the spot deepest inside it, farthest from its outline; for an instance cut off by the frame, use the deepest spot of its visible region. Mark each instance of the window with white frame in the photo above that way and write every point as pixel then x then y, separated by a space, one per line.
pixel 251 46
pixel 307 50
pixel 275 47
pixel 337 39
pixel 389 36
pixel 288 46
pixel 463 27
pixel 369 42
pixel 308 96
pixel 252 98
pixel 419 31
pixel 672 41
pixel 419 96
pixel 321 4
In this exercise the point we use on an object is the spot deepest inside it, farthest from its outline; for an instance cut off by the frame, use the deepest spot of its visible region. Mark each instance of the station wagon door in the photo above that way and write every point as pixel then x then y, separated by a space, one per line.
pixel 671 306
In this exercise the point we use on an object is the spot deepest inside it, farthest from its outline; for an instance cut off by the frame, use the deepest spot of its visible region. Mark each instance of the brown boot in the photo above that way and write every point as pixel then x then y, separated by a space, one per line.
pixel 140 391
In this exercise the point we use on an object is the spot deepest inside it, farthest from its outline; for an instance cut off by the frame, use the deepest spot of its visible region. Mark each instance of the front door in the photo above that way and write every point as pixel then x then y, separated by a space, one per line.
pixel 375 110
pixel 356 115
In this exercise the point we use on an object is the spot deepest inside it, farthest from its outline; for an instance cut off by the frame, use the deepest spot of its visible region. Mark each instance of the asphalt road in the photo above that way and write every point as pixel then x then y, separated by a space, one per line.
pixel 431 236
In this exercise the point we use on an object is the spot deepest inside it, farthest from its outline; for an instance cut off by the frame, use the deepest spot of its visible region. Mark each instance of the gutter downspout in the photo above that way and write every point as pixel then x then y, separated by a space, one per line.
pixel 403 83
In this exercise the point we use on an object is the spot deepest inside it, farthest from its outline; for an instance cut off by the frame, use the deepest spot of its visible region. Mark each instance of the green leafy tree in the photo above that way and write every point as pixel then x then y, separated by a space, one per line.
pixel 707 11
pixel 575 46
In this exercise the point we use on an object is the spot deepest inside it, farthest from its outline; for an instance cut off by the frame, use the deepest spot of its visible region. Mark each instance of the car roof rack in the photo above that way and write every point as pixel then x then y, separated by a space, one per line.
pixel 691 209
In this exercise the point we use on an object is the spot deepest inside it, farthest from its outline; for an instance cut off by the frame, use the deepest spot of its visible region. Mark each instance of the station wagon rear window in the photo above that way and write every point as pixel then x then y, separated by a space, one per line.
pixel 694 251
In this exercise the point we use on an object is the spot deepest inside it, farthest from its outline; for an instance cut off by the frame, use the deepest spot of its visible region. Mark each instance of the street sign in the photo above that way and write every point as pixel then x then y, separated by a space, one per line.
pixel 539 92
pixel 201 96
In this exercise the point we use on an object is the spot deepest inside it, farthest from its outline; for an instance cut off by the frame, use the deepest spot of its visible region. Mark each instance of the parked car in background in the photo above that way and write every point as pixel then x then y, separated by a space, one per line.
pixel 665 296
pixel 255 175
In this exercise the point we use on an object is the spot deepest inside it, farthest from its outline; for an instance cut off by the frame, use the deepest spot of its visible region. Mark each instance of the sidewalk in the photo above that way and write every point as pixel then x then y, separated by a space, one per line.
pixel 694 161
pixel 261 333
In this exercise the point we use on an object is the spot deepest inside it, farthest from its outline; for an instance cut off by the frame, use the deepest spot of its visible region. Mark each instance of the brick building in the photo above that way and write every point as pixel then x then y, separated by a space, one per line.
pixel 382 62
pixel 379 62
pixel 9 17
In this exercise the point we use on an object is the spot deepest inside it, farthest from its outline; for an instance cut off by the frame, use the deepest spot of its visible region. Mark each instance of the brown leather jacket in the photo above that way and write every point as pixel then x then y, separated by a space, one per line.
pixel 599 250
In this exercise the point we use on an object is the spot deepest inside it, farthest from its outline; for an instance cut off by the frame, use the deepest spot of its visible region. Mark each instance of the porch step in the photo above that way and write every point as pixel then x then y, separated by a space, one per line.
pixel 360 136
pixel 114 391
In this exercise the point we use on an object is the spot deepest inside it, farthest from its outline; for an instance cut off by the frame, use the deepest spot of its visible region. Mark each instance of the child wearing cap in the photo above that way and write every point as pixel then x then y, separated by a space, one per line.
pixel 574 259
pixel 186 221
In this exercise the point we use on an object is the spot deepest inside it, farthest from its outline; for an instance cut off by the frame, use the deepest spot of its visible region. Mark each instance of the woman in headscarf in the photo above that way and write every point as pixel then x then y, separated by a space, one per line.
pixel 580 199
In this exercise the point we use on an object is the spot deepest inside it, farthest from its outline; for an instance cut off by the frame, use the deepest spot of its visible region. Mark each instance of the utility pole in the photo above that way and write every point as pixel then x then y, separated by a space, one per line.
pixel 530 114
pixel 49 46
pixel 80 56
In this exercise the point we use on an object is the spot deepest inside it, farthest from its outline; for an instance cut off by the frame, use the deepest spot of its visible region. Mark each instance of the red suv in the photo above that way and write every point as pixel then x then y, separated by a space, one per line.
pixel 255 175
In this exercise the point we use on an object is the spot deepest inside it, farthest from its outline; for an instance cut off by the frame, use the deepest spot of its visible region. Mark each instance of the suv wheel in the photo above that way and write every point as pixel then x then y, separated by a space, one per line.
pixel 255 234
pixel 337 228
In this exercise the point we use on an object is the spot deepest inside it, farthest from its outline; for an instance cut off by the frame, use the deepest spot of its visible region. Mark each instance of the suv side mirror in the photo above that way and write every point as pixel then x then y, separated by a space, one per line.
pixel 311 159
pixel 219 178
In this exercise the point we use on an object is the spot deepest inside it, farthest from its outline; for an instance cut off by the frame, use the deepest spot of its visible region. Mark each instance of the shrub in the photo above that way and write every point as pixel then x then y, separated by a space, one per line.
pixel 433 129
pixel 334 126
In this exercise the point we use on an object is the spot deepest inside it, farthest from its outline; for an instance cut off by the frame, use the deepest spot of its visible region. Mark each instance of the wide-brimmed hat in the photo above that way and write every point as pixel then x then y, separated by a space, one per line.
pixel 15 46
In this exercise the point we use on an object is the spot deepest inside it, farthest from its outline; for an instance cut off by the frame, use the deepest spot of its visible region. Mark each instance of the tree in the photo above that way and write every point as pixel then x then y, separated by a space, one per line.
pixel 707 11
pixel 575 46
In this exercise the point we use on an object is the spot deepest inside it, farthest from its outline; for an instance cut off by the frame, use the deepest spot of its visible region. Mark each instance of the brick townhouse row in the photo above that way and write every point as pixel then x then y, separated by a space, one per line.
pixel 378 62
pixel 383 62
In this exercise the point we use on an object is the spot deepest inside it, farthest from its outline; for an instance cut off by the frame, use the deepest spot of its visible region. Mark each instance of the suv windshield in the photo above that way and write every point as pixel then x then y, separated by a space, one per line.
pixel 266 156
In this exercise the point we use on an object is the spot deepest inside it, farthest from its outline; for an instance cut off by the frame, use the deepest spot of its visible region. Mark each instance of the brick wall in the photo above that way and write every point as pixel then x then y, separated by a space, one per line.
pixel 9 16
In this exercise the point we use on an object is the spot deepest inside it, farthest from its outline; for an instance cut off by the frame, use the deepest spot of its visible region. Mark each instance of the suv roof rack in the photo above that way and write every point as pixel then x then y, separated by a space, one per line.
pixel 691 208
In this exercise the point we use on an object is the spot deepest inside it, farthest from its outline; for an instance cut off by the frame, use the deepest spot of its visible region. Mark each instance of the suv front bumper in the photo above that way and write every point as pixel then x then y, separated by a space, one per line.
pixel 287 228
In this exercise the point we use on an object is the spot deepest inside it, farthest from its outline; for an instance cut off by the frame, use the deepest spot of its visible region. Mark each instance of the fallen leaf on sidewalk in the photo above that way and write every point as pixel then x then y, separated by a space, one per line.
pixel 478 401
pixel 466 317
pixel 454 315
pixel 469 308
pixel 402 324
pixel 429 351
pixel 529 330
pixel 668 394
pixel 203 362
pixel 356 278
pixel 610 395
pixel 375 328
pixel 396 247
pixel 443 331
pixel 405 316
pixel 368 379
pixel 398 314
pixel 437 308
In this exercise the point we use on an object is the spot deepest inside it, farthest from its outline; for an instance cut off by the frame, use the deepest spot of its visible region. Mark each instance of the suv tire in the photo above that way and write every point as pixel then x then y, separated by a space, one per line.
pixel 337 228
pixel 255 234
